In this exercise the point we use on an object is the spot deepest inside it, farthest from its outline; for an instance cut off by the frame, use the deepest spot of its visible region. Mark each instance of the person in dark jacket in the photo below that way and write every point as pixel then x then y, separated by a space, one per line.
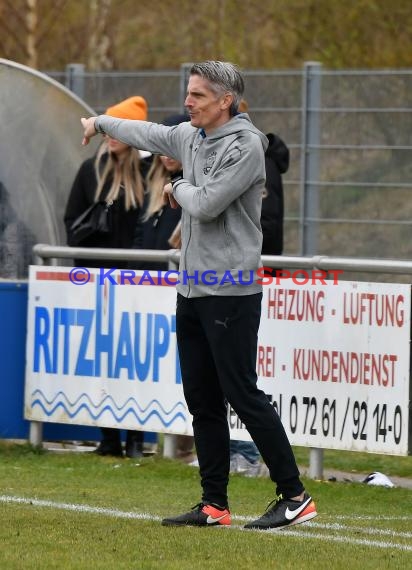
pixel 115 175
pixel 160 224
pixel 271 220
pixel 16 240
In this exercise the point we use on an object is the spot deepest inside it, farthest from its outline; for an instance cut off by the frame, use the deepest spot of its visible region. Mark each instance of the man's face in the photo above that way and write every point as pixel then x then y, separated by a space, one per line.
pixel 206 109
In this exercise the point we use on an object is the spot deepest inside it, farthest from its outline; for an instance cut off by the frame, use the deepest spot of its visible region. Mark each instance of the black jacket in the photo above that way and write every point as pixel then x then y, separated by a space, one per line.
pixel 124 222
pixel 16 240
pixel 155 232
pixel 277 163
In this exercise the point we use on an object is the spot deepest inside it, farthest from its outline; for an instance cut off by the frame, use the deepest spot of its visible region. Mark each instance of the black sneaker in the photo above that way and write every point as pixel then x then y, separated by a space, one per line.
pixel 201 515
pixel 109 449
pixel 285 512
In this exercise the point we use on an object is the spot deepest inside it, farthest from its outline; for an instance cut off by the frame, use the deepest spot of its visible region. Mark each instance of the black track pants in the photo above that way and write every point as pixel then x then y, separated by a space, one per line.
pixel 217 342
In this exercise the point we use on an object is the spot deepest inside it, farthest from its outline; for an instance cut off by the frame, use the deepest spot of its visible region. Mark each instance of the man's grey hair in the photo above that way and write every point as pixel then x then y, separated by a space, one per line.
pixel 223 77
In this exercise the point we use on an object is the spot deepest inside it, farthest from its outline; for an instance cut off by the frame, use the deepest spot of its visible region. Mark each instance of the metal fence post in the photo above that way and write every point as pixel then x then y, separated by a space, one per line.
pixel 36 433
pixel 311 102
pixel 75 78
pixel 170 445
pixel 315 463
pixel 170 439
pixel 36 428
pixel 309 209
pixel 184 78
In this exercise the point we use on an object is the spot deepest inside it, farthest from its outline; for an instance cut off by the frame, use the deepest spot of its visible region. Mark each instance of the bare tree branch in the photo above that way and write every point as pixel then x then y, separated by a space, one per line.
pixel 31 28
pixel 50 20
pixel 99 40
pixel 18 38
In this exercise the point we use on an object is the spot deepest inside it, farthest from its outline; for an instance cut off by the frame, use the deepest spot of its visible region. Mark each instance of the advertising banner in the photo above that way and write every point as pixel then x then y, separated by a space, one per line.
pixel 333 358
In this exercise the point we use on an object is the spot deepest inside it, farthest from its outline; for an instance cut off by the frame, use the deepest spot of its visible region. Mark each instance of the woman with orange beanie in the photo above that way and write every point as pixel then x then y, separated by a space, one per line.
pixel 116 176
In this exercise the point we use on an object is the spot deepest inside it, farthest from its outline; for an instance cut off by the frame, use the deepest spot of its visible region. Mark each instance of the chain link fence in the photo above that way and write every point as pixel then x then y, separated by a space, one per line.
pixel 348 191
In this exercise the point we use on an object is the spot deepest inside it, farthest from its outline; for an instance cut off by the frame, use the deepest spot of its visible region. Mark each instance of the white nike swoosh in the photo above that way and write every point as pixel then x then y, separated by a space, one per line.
pixel 290 515
pixel 212 520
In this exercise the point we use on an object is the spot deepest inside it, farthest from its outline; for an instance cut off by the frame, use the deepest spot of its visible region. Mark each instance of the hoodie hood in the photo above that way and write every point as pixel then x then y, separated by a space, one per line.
pixel 278 152
pixel 237 124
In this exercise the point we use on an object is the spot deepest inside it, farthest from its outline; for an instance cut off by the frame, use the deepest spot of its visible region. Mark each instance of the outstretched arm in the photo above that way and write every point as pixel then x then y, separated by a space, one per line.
pixel 144 135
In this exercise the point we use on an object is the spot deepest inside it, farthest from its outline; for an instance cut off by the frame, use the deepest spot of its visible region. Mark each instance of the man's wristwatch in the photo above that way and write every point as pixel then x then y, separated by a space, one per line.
pixel 96 127
pixel 176 177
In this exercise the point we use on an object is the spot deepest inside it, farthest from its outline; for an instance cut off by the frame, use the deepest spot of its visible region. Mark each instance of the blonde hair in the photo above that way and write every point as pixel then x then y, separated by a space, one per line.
pixel 125 175
pixel 243 106
pixel 157 177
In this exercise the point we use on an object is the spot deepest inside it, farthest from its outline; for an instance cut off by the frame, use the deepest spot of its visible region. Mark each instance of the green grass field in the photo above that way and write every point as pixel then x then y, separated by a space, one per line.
pixel 82 511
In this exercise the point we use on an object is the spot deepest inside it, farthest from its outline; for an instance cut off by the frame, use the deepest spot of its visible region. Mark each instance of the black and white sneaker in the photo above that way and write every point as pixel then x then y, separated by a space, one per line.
pixel 285 512
pixel 201 515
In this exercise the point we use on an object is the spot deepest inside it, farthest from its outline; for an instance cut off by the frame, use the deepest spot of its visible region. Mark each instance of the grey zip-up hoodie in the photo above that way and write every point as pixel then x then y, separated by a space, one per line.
pixel 220 195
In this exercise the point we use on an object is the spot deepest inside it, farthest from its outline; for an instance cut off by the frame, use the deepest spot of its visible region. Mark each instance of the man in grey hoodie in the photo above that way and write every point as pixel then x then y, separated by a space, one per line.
pixel 219 294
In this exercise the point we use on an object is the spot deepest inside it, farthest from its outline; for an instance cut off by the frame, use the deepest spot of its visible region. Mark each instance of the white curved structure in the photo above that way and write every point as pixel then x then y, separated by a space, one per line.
pixel 40 153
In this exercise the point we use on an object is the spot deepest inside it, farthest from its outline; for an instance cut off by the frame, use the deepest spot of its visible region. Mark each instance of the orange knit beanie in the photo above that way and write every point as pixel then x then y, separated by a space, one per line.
pixel 131 108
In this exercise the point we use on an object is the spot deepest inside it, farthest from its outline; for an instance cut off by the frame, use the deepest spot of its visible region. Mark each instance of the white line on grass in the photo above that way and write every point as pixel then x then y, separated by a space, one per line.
pixel 370 517
pixel 360 529
pixel 298 533
pixel 345 539
pixel 80 508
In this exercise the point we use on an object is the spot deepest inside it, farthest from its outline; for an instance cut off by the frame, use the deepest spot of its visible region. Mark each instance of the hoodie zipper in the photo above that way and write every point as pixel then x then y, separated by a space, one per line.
pixel 195 154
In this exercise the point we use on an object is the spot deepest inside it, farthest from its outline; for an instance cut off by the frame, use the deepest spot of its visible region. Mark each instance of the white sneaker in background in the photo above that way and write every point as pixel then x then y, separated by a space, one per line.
pixel 377 478
pixel 194 463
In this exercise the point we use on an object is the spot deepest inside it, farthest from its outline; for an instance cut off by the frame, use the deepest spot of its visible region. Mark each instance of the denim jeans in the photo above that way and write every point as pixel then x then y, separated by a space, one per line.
pixel 246 448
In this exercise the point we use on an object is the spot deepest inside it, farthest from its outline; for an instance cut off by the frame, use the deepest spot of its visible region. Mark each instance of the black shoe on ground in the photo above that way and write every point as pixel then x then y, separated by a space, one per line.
pixel 201 515
pixel 110 443
pixel 134 450
pixel 109 449
pixel 134 444
pixel 285 512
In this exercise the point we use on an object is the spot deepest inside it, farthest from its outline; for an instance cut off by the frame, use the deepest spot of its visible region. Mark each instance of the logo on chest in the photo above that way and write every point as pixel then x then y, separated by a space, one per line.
pixel 210 160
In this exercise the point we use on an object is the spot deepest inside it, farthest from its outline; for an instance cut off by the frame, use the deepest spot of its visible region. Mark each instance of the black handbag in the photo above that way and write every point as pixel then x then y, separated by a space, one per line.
pixel 97 219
